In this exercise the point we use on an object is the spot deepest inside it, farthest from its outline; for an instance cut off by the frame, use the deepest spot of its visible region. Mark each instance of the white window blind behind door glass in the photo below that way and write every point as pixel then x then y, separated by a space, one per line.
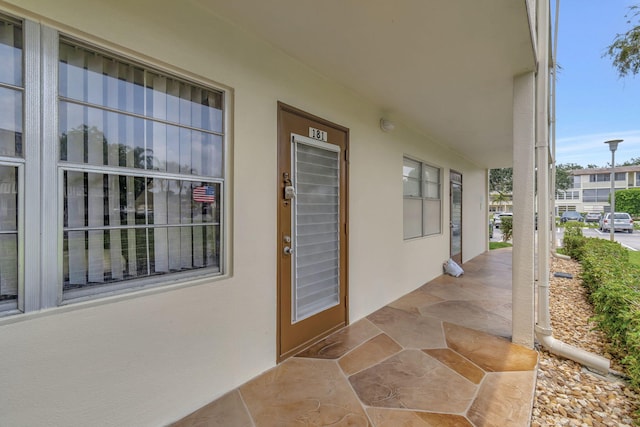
pixel 316 222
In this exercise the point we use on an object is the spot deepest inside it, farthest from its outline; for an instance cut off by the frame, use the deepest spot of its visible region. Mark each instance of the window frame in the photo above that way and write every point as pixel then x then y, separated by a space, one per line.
pixel 423 197
pixel 599 177
pixel 40 283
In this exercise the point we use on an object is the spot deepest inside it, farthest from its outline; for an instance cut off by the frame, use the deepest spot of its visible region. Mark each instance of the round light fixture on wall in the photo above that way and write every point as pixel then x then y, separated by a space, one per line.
pixel 387 125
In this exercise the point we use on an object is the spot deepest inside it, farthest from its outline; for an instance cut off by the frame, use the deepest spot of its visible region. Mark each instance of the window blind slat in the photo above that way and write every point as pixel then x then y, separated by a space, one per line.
pixel 317 258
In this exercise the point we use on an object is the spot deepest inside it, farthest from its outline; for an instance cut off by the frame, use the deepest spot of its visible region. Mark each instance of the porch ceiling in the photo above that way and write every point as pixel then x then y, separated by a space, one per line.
pixel 444 67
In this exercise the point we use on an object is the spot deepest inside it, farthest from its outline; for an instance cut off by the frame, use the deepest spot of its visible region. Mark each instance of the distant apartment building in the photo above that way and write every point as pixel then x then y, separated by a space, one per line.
pixel 591 188
pixel 500 202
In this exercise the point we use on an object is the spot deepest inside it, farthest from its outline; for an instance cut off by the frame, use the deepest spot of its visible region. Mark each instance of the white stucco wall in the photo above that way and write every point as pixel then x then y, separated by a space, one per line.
pixel 153 358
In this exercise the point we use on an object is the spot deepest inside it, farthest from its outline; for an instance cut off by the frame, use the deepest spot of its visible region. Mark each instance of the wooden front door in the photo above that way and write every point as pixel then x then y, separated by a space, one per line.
pixel 312 229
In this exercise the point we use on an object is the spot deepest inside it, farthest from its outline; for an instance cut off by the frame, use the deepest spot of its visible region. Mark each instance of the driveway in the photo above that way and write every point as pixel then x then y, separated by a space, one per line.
pixel 629 241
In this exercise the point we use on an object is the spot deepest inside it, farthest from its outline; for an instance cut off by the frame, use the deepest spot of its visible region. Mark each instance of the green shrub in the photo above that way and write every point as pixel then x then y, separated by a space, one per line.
pixel 613 285
pixel 506 227
pixel 573 240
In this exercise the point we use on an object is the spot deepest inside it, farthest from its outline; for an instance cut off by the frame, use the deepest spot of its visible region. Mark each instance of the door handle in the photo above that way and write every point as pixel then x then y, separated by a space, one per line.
pixel 289 192
pixel 288 250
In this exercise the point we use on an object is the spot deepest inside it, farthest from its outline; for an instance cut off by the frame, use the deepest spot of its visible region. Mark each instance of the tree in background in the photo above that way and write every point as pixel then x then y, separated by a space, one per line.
pixel 564 181
pixel 500 199
pixel 501 180
pixel 625 49
pixel 634 161
pixel 501 185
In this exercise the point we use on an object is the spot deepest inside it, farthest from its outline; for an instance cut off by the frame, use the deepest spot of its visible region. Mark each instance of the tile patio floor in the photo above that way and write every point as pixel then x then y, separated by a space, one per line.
pixel 438 356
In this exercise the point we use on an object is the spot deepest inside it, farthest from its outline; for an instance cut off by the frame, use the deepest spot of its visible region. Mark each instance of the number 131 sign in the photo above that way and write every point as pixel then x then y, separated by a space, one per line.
pixel 318 134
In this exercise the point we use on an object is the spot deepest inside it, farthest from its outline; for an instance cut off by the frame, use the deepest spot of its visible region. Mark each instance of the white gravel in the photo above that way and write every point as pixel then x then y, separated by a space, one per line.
pixel 566 394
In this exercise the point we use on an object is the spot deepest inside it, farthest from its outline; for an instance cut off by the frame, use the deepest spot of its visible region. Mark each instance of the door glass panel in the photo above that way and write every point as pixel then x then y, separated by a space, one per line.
pixel 316 284
pixel 456 219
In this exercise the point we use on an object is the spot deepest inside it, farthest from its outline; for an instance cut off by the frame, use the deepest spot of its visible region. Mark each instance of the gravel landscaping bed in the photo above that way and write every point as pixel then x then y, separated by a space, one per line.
pixel 566 394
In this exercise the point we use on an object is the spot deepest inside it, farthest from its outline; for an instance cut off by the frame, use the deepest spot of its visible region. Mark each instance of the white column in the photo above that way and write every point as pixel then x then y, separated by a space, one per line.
pixel 543 164
pixel 523 318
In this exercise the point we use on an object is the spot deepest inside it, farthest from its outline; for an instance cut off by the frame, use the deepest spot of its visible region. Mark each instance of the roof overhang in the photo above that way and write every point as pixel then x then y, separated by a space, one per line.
pixel 444 68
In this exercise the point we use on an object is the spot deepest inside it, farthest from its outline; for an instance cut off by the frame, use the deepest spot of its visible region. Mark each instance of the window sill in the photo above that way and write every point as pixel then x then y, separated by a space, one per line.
pixel 70 305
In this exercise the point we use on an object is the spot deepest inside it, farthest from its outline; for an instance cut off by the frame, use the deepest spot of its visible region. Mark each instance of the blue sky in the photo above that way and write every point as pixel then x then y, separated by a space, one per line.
pixel 594 104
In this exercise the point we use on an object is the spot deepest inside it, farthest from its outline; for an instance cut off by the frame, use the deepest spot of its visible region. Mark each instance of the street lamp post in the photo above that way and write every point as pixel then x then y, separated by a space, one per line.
pixel 613 145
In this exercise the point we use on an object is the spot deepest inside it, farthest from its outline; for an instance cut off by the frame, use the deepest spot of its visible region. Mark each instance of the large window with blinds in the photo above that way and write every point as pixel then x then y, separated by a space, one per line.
pixel 422 208
pixel 11 156
pixel 138 168
pixel 593 195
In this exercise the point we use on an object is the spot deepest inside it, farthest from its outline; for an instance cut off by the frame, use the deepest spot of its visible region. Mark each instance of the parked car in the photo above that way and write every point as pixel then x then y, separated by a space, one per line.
pixel 497 218
pixel 571 216
pixel 622 221
pixel 593 217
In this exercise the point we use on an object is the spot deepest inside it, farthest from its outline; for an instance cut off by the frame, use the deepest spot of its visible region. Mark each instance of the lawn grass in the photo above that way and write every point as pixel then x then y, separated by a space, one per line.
pixel 634 257
pixel 498 245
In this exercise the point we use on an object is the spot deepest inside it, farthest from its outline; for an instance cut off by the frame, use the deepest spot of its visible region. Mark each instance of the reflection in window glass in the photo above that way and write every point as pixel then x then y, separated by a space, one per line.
pixel 10 122
pixel 91 135
pixel 160 213
pixel 11 145
pixel 10 97
pixel 8 235
pixel 100 79
pixel 411 178
pixel 10 52
pixel 422 204
pixel 104 240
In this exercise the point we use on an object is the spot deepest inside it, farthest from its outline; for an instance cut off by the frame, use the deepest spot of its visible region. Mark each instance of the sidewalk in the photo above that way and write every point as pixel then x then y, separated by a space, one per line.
pixel 439 356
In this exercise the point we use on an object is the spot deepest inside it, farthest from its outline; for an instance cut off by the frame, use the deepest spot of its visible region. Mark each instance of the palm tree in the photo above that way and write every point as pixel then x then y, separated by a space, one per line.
pixel 500 198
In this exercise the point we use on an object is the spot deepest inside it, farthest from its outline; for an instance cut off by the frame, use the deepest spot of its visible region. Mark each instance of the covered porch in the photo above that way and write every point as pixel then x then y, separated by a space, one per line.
pixel 440 355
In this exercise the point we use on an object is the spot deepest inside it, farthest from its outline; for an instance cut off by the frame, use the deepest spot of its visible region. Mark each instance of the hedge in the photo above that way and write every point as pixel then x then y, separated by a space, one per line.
pixel 613 286
pixel 628 201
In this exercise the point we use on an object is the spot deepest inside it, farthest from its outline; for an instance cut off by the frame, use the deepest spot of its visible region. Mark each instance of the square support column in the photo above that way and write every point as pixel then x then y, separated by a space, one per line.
pixel 523 263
